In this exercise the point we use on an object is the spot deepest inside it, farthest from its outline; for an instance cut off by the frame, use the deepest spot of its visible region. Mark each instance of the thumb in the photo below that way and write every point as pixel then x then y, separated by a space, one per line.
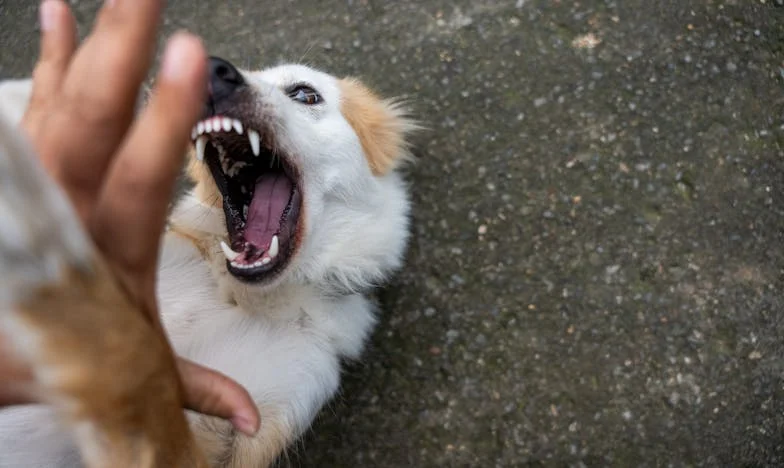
pixel 214 394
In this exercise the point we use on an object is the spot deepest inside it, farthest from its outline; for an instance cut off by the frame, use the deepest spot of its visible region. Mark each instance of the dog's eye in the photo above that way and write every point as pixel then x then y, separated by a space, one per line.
pixel 305 95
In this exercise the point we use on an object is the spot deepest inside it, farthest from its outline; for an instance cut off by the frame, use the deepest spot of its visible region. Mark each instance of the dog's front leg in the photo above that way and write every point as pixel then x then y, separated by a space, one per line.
pixel 92 353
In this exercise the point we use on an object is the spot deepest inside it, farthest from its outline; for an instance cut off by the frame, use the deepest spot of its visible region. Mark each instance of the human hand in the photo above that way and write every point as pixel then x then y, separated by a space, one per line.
pixel 118 171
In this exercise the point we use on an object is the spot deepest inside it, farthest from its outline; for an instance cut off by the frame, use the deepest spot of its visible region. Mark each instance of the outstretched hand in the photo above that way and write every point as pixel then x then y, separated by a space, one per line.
pixel 119 170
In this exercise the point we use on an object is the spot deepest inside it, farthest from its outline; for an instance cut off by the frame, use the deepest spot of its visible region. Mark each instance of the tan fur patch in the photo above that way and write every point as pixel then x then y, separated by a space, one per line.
pixel 206 191
pixel 198 243
pixel 381 125
pixel 225 448
pixel 113 371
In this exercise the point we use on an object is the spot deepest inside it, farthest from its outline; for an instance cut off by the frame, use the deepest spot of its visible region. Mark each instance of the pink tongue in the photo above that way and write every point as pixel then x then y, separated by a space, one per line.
pixel 270 198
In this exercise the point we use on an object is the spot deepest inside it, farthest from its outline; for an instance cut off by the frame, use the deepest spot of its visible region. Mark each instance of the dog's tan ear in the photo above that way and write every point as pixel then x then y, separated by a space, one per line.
pixel 383 126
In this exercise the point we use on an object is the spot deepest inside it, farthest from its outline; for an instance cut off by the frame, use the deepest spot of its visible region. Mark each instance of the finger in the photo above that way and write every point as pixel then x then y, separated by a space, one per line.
pixel 58 43
pixel 16 378
pixel 100 91
pixel 12 396
pixel 119 51
pixel 142 179
pixel 214 394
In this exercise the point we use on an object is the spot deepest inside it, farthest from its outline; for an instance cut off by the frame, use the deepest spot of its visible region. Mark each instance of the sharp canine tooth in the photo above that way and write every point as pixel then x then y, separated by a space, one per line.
pixel 230 254
pixel 200 128
pixel 255 142
pixel 226 124
pixel 237 126
pixel 201 145
pixel 273 248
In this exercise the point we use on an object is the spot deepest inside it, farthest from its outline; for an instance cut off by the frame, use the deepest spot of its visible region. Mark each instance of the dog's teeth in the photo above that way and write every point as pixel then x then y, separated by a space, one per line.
pixel 265 260
pixel 255 142
pixel 245 211
pixel 258 264
pixel 194 133
pixel 216 124
pixel 200 128
pixel 237 126
pixel 230 254
pixel 226 124
pixel 201 146
pixel 273 248
pixel 208 126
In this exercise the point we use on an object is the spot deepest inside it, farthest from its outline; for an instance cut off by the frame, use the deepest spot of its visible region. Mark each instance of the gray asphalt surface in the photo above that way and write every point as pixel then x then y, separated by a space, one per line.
pixel 596 273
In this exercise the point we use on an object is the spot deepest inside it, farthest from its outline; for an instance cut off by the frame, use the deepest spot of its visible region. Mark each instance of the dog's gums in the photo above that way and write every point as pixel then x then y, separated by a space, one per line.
pixel 260 191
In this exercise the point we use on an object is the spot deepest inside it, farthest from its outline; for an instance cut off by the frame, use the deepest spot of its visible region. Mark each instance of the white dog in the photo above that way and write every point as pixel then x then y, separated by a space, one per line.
pixel 298 211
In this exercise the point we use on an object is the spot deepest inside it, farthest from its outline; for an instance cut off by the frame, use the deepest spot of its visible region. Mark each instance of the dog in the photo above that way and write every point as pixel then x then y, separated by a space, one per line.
pixel 297 211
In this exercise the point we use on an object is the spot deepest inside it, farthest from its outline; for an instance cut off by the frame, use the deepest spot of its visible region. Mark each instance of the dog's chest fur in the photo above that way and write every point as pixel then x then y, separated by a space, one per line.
pixel 284 343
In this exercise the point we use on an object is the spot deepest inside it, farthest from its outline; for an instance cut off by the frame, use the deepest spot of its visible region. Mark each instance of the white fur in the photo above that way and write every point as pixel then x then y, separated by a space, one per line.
pixel 31 208
pixel 283 341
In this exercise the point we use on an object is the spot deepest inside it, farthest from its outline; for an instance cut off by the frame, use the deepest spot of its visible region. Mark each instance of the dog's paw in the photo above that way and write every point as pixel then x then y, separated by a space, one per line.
pixel 40 234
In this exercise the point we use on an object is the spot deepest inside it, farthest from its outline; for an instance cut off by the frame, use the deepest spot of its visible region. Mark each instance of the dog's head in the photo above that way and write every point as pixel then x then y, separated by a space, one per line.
pixel 303 167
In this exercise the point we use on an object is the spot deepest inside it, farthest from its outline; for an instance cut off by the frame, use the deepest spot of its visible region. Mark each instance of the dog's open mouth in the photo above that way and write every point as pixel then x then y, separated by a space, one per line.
pixel 261 195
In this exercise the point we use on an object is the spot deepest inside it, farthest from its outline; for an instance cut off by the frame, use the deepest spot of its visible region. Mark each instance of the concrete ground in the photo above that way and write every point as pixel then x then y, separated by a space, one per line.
pixel 596 271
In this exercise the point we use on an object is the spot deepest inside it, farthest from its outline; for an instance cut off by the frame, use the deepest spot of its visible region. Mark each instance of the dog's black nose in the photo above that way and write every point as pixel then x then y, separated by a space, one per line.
pixel 224 79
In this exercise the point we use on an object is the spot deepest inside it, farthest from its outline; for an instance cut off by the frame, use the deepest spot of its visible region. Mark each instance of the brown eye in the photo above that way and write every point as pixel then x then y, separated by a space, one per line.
pixel 305 95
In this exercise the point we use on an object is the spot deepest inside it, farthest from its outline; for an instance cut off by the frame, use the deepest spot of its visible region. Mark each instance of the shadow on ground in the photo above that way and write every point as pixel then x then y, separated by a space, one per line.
pixel 596 270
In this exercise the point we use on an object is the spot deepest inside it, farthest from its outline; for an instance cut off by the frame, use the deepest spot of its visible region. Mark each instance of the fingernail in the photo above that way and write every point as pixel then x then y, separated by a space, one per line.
pixel 48 14
pixel 244 424
pixel 176 57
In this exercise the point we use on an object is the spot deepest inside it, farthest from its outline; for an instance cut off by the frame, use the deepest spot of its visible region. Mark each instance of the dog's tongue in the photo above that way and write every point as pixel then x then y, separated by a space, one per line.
pixel 270 198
